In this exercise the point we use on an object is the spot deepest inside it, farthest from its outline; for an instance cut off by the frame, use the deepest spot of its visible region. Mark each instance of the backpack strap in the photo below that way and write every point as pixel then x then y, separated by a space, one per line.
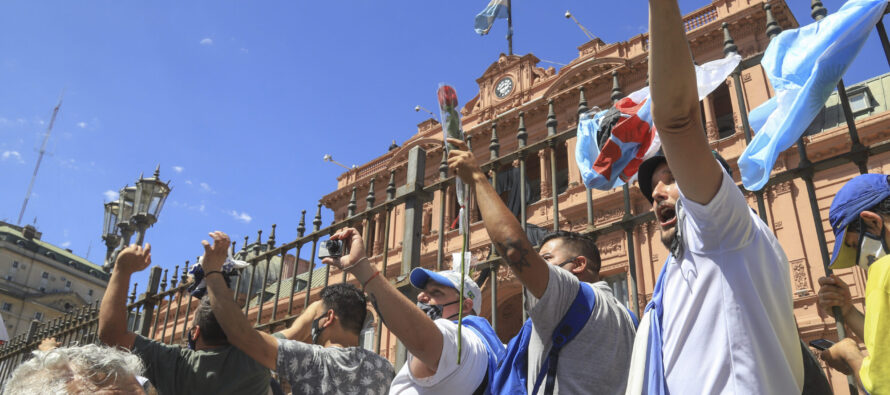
pixel 572 322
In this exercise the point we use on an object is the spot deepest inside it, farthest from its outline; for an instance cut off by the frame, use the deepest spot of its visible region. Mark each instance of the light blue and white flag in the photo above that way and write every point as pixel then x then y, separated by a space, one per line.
pixel 496 9
pixel 804 65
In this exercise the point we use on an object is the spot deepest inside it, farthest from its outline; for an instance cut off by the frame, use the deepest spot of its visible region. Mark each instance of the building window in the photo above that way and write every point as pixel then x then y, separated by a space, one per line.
pixel 618 283
pixel 38 316
pixel 860 99
pixel 723 112
pixel 44 275
pixel 15 264
pixel 859 102
pixel 68 284
pixel 43 289
pixel 90 292
pixel 6 306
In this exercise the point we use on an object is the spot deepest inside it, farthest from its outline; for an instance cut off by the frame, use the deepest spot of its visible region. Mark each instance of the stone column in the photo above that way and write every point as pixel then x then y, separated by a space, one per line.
pixel 546 183
pixel 574 171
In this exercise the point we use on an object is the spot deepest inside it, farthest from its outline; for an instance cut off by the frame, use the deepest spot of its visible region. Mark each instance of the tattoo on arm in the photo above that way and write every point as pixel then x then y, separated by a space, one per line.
pixel 515 253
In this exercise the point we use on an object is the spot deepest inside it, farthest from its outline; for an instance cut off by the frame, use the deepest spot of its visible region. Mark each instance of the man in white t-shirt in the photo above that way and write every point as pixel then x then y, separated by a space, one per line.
pixel 723 300
pixel 427 329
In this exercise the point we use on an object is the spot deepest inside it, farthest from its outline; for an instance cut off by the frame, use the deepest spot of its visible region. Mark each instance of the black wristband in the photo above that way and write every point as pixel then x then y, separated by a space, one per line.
pixel 212 272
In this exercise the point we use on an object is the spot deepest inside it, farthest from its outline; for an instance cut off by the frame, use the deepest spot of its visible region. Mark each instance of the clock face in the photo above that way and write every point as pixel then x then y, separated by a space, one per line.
pixel 503 87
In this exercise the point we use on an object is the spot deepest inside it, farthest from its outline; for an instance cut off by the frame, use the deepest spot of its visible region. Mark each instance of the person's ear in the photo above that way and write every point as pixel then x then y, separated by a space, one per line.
pixel 873 222
pixel 580 265
pixel 197 332
pixel 330 318
pixel 468 304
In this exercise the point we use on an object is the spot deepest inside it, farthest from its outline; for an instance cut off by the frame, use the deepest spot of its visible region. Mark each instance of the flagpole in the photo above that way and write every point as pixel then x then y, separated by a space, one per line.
pixel 509 28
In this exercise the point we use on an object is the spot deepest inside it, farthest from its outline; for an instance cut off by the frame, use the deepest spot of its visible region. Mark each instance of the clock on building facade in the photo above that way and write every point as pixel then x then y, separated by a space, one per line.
pixel 503 87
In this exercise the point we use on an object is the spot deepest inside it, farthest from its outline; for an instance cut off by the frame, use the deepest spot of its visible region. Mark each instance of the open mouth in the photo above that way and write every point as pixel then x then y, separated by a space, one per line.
pixel 667 215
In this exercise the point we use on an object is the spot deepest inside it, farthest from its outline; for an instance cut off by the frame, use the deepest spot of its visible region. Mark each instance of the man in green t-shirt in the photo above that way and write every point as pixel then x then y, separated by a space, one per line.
pixel 209 366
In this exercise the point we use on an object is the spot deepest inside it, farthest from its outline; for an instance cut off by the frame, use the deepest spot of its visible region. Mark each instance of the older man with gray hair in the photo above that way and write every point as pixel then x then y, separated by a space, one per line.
pixel 77 370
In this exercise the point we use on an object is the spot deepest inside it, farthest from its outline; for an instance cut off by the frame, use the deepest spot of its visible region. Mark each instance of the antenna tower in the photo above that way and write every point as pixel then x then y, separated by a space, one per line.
pixel 40 158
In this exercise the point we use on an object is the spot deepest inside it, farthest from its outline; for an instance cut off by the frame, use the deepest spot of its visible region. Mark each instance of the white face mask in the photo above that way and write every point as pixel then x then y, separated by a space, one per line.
pixel 870 250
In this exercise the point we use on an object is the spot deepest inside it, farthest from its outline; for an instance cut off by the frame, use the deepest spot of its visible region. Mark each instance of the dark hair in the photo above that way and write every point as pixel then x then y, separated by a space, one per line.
pixel 211 331
pixel 883 207
pixel 348 303
pixel 580 245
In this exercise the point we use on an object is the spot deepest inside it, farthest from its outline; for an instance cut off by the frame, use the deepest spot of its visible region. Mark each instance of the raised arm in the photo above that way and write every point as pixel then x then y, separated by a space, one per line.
pixel 260 346
pixel 675 107
pixel 503 228
pixel 113 311
pixel 402 317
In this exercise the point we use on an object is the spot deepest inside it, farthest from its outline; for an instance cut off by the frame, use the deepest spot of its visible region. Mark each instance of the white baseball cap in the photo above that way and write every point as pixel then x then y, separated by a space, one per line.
pixel 449 278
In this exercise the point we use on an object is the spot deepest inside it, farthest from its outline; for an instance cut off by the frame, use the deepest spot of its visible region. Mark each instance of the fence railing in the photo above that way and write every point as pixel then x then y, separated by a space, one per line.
pixel 272 296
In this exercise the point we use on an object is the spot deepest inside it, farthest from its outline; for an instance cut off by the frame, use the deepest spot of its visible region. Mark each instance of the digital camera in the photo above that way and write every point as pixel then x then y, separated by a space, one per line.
pixel 332 249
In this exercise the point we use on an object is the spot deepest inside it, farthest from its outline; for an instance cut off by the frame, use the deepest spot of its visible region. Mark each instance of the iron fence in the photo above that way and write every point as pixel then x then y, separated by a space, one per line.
pixel 272 302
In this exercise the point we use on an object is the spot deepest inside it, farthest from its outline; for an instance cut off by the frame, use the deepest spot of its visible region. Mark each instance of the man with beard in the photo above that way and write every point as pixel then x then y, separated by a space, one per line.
pixel 721 313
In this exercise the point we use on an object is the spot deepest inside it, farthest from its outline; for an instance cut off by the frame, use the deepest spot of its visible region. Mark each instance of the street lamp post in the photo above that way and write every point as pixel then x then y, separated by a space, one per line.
pixel 125 213
pixel 418 108
pixel 109 231
pixel 150 196
pixel 136 210
pixel 329 158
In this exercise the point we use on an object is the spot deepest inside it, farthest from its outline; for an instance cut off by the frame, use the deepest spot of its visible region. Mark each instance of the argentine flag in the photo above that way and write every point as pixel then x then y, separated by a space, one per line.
pixel 804 66
pixel 496 9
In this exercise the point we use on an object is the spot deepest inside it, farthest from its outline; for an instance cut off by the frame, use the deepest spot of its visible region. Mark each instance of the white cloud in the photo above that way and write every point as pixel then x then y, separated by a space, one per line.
pixel 69 164
pixel 110 195
pixel 243 50
pixel 242 216
pixel 66 244
pixel 188 182
pixel 178 169
pixel 12 155
pixel 206 187
pixel 82 125
pixel 206 41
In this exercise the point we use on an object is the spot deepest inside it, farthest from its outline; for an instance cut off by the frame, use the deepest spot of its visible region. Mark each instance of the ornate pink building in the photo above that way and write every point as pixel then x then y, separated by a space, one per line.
pixel 516 86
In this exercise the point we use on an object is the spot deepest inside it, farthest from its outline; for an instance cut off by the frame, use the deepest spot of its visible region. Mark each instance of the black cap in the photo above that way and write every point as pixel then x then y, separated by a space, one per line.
pixel 644 175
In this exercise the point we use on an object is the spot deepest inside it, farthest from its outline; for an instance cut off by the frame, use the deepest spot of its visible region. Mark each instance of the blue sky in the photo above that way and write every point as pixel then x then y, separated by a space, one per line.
pixel 239 101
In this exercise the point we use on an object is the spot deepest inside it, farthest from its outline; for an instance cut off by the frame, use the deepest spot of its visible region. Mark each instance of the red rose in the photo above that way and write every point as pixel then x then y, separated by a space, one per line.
pixel 447 97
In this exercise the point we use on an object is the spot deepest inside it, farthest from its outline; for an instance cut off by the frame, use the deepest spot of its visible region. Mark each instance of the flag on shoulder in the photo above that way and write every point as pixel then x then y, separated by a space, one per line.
pixel 804 66
pixel 496 9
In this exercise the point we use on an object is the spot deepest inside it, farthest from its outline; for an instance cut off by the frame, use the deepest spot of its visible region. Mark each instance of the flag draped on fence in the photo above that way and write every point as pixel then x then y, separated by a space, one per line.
pixel 612 143
pixel 496 9
pixel 803 65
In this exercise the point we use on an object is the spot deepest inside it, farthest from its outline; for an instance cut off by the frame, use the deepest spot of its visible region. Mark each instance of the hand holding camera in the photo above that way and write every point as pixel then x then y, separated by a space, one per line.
pixel 332 249
pixel 345 250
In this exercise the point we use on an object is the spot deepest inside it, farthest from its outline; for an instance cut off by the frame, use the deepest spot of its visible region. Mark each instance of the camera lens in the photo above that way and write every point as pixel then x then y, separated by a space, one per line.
pixel 333 246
